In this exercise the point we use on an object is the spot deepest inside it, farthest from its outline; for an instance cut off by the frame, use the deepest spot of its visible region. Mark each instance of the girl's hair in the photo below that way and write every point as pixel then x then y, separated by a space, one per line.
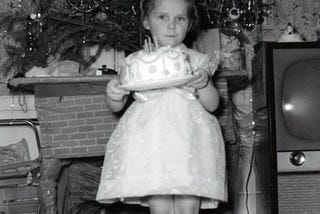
pixel 146 6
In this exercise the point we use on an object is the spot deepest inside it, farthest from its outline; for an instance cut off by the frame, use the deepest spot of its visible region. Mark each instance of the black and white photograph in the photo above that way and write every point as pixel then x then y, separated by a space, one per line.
pixel 159 106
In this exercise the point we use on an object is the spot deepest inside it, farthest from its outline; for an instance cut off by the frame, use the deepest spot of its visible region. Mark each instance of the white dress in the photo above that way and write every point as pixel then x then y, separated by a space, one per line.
pixel 165 143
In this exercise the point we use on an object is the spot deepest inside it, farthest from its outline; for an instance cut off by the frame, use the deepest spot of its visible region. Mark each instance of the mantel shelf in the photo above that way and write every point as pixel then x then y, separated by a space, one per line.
pixel 62 86
pixel 23 81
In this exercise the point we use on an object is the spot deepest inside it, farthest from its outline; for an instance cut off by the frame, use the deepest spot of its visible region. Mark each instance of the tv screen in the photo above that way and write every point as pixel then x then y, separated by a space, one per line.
pixel 295 83
pixel 301 99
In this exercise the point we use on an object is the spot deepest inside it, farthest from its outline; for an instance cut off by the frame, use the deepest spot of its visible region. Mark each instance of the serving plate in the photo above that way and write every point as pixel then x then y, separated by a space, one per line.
pixel 166 83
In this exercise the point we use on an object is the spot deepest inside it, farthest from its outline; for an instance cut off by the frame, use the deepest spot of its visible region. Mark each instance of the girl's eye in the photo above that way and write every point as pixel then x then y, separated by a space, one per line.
pixel 162 17
pixel 181 18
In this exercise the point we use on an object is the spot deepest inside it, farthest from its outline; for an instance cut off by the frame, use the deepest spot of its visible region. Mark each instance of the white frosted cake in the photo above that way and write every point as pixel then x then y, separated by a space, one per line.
pixel 163 64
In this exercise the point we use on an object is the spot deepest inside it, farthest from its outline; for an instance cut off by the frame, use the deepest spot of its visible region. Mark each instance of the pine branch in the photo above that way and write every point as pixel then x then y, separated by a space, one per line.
pixel 8 20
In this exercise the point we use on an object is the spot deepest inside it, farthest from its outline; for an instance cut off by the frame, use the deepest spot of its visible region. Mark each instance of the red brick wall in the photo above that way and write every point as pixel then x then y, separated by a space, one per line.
pixel 80 125
pixel 74 126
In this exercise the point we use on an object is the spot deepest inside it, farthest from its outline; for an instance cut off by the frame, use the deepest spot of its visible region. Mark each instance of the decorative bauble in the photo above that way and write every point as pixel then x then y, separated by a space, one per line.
pixel 33 16
pixel 101 16
pixel 234 13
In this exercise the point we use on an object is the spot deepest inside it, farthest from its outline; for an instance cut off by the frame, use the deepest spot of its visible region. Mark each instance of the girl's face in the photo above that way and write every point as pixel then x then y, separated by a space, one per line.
pixel 168 22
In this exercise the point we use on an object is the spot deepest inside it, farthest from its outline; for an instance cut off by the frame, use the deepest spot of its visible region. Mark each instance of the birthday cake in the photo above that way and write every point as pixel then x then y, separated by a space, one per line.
pixel 160 66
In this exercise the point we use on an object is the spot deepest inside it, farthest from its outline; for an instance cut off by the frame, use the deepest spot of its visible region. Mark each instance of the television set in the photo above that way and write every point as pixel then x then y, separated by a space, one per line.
pixel 286 111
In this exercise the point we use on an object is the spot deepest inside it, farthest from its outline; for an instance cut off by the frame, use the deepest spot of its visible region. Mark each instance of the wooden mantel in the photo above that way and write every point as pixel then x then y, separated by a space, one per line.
pixel 53 80
pixel 56 86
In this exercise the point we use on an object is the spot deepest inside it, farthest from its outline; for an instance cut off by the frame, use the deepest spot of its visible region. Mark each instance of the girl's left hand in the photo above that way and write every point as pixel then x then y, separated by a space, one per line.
pixel 201 81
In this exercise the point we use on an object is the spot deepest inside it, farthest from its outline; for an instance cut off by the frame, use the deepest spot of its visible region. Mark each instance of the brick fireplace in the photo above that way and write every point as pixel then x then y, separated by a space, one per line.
pixel 75 124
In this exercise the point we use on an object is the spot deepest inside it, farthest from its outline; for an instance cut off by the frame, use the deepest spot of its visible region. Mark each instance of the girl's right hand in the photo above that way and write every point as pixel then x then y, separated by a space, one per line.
pixel 201 81
pixel 114 92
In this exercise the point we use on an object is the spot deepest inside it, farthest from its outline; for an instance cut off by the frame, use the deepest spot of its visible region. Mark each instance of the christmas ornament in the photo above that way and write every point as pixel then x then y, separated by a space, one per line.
pixel 234 12
pixel 101 16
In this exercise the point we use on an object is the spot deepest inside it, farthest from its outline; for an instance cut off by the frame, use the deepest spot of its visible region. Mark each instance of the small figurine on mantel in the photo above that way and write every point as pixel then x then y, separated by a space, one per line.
pixel 290 35
pixel 104 70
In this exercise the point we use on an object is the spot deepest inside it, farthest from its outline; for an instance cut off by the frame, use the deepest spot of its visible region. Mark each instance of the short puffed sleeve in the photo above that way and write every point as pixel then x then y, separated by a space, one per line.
pixel 200 60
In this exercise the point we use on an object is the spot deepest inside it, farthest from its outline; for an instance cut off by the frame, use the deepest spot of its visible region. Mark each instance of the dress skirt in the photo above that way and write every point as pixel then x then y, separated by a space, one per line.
pixel 165 143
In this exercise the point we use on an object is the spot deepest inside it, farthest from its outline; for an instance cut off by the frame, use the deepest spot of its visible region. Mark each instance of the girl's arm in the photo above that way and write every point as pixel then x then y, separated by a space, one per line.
pixel 116 105
pixel 209 97
pixel 116 97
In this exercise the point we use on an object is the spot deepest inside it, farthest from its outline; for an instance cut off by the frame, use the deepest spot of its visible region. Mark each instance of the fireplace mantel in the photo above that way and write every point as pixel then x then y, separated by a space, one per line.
pixel 53 80
pixel 63 86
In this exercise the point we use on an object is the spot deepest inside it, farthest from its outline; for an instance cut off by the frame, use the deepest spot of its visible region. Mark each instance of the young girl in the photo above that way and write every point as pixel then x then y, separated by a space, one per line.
pixel 167 151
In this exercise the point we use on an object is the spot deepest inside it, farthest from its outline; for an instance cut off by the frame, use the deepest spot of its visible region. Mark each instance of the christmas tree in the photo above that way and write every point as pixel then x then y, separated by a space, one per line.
pixel 62 29
pixel 40 30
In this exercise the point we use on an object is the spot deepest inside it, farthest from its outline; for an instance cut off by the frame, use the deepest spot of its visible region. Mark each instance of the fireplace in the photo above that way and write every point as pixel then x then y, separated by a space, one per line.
pixel 75 124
